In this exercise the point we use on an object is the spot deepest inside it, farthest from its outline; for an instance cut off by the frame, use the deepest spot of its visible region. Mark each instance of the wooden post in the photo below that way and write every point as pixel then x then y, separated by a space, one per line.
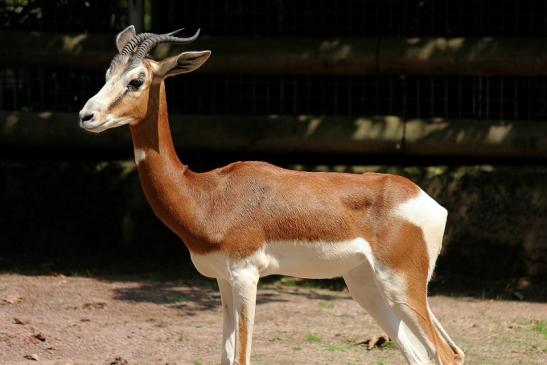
pixel 136 14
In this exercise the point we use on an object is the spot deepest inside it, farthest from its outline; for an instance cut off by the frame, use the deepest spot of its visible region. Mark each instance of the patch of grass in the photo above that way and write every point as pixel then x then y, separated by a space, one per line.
pixel 326 305
pixel 259 360
pixel 522 322
pixel 390 345
pixel 312 338
pixel 289 281
pixel 196 362
pixel 275 339
pixel 297 348
pixel 178 299
pixel 335 347
pixel 537 349
pixel 380 363
pixel 541 327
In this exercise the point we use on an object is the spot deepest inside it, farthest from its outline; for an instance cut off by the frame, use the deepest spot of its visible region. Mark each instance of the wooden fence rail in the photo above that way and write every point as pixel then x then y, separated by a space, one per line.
pixel 349 56
pixel 386 135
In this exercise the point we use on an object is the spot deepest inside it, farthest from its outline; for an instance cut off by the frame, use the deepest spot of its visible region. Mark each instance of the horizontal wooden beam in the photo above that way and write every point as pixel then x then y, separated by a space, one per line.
pixel 386 135
pixel 305 55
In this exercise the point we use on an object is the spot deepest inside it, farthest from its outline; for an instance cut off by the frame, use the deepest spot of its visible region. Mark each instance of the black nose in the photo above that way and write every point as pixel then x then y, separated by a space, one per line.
pixel 86 117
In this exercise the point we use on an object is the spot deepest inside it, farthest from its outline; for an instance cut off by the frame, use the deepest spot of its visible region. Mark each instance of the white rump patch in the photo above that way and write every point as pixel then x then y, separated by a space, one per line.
pixel 426 213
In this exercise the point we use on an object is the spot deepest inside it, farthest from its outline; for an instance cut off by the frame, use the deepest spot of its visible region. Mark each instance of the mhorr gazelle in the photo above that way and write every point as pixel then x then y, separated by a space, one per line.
pixel 247 220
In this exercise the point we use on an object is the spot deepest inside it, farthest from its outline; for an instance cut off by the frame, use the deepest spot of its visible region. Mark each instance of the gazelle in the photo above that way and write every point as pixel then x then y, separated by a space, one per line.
pixel 247 220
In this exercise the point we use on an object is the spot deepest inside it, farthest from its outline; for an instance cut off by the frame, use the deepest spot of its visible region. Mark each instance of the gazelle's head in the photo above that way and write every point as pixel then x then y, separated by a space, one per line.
pixel 124 97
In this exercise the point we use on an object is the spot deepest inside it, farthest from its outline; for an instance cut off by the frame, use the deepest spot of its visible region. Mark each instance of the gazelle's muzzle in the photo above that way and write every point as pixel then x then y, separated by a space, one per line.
pixel 94 115
pixel 90 117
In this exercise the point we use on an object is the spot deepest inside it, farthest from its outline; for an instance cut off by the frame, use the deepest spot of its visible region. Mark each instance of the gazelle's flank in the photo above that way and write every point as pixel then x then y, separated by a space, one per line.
pixel 251 219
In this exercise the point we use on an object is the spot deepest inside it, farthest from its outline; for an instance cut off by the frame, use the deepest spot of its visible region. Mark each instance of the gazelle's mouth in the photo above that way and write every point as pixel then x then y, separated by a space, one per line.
pixel 98 127
pixel 92 127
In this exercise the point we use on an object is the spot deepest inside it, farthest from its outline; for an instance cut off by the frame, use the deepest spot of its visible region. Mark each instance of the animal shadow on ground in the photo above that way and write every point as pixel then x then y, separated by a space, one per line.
pixel 189 297
pixel 173 282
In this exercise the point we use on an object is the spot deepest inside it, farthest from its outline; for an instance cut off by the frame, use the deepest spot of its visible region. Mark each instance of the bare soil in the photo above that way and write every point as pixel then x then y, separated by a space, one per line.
pixel 85 320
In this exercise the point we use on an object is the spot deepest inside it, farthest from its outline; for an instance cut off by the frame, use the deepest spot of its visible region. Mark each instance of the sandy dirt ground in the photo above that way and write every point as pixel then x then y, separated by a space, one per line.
pixel 84 320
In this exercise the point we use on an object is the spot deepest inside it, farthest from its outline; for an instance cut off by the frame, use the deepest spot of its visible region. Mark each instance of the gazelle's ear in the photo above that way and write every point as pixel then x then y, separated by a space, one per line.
pixel 124 36
pixel 182 63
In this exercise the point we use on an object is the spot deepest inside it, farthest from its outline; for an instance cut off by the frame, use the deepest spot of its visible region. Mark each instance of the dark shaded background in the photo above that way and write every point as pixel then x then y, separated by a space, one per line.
pixel 84 207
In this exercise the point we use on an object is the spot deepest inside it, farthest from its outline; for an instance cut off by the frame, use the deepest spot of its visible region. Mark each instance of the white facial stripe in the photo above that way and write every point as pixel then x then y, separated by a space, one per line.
pixel 135 73
pixel 115 86
pixel 122 85
pixel 103 105
pixel 101 97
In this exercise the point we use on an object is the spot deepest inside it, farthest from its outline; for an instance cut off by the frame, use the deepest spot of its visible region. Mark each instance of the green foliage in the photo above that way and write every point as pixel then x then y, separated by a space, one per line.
pixel 52 15
pixel 312 338
pixel 541 327
pixel 335 347
pixel 289 281
pixel 326 305
pixel 178 299
pixel 389 345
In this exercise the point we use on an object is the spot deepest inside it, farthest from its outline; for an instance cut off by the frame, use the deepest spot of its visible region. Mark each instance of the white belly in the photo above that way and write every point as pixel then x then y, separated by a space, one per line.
pixel 311 260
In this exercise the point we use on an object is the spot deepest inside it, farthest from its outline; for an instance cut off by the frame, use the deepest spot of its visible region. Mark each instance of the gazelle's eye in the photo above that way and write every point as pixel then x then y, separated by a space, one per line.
pixel 134 84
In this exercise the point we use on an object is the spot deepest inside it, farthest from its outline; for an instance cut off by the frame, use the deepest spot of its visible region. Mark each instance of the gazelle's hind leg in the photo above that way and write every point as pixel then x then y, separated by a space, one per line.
pixel 412 308
pixel 363 288
pixel 408 299
pixel 459 356
pixel 403 266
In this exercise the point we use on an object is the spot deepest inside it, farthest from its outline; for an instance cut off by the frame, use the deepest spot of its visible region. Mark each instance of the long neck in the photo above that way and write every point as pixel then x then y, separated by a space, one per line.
pixel 169 186
pixel 152 139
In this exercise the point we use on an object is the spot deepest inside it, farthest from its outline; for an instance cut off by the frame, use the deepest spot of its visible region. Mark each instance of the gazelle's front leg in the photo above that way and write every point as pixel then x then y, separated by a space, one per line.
pixel 244 283
pixel 228 323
